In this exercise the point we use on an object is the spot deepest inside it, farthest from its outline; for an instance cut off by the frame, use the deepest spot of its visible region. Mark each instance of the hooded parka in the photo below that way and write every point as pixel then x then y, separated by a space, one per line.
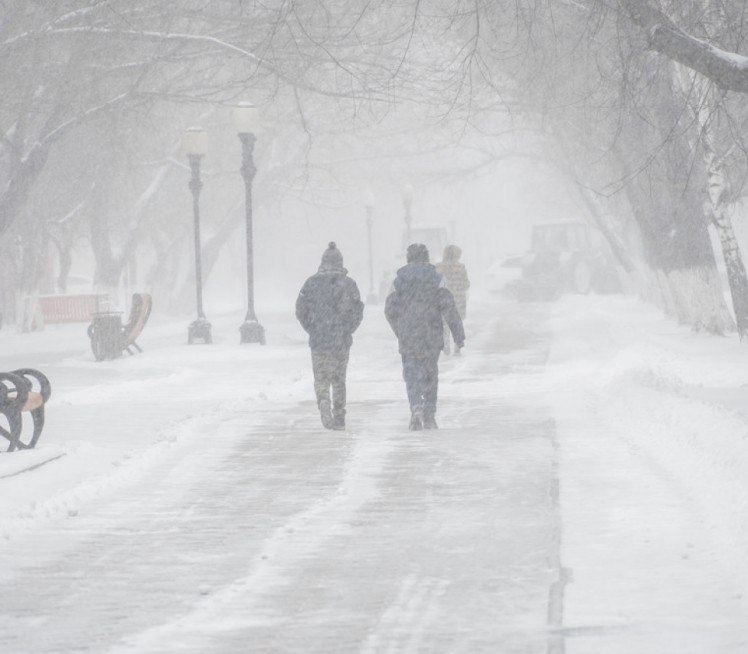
pixel 415 308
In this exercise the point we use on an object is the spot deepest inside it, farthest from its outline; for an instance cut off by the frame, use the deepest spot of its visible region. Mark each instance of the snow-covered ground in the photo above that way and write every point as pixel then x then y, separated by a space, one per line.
pixel 652 422
pixel 648 426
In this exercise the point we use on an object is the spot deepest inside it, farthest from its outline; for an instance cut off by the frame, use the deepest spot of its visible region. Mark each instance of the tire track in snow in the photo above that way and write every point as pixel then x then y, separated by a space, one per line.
pixel 289 545
pixel 407 620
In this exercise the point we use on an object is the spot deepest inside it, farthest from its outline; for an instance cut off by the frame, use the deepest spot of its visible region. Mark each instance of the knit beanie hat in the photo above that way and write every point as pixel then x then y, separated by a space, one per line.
pixel 417 253
pixel 332 259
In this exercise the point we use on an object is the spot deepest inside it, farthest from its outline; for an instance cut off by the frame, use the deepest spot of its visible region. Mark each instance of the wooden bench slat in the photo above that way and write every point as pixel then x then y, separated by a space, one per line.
pixel 70 308
pixel 33 401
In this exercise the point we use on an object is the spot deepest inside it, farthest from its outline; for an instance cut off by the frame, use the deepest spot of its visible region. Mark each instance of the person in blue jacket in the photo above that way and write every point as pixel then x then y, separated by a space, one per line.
pixel 330 309
pixel 415 308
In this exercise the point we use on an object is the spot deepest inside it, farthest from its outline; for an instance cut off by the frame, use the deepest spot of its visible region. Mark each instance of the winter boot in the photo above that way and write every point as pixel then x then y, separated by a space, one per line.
pixel 325 413
pixel 429 422
pixel 416 419
pixel 338 422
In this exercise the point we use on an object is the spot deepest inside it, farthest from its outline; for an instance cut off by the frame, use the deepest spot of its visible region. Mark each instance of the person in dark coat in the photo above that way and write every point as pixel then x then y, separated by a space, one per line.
pixel 415 308
pixel 330 309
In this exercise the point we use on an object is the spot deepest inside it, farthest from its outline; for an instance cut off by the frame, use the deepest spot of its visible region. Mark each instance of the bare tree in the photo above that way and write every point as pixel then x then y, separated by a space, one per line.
pixel 111 75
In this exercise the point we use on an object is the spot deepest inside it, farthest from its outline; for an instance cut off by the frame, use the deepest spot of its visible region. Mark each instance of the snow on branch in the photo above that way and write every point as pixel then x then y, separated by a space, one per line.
pixel 726 69
pixel 160 36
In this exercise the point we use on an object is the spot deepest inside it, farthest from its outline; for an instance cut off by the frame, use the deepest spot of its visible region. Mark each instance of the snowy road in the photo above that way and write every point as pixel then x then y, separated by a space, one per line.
pixel 269 534
pixel 586 493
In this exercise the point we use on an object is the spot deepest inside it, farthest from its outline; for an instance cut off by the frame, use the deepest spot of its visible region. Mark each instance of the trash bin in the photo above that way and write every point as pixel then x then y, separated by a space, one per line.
pixel 105 333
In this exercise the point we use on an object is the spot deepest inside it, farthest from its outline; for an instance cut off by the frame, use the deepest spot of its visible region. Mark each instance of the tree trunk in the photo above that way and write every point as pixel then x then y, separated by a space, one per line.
pixel 706 106
pixel 736 274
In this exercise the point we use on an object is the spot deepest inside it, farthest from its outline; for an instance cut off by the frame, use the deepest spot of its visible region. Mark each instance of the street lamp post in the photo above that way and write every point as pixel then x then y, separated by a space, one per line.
pixel 246 118
pixel 407 201
pixel 369 204
pixel 195 142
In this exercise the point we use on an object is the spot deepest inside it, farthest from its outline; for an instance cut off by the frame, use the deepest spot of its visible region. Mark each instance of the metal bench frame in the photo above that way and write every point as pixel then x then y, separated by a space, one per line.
pixel 22 392
pixel 110 338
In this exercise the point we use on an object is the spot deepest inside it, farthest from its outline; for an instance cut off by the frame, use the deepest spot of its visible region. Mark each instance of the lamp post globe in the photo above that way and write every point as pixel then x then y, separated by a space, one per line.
pixel 369 205
pixel 195 144
pixel 246 119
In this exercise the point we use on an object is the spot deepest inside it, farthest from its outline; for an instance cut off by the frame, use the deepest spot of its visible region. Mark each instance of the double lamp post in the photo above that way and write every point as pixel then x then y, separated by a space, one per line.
pixel 246 119
pixel 195 142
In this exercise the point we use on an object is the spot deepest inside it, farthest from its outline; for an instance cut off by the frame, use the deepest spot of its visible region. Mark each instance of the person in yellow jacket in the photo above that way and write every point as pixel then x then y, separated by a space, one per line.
pixel 456 277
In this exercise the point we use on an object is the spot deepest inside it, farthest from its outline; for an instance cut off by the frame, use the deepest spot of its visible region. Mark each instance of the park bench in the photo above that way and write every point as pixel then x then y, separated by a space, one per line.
pixel 110 338
pixel 70 308
pixel 23 392
pixel 140 311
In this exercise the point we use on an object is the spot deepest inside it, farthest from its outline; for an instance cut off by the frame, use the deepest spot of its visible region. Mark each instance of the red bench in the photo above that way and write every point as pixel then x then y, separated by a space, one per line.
pixel 23 391
pixel 71 308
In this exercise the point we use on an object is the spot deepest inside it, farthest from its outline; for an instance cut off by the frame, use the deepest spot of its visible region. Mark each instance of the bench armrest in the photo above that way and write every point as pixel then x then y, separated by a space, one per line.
pixel 36 381
pixel 14 391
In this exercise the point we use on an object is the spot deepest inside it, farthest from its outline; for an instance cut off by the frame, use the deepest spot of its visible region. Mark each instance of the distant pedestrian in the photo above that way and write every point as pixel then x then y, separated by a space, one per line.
pixel 415 308
pixel 456 276
pixel 330 309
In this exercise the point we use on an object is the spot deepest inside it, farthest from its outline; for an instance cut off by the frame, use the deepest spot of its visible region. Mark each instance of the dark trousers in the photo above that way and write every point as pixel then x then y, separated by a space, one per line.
pixel 329 370
pixel 421 375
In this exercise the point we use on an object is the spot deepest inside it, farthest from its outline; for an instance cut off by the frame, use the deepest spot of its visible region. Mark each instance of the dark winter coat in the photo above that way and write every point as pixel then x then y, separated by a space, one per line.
pixel 330 309
pixel 415 308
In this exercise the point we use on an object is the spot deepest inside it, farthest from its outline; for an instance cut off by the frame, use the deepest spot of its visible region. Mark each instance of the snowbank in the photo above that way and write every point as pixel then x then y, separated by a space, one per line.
pixel 652 423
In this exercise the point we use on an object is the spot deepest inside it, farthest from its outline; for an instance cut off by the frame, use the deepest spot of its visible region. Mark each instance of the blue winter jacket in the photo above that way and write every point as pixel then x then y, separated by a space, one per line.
pixel 330 309
pixel 415 308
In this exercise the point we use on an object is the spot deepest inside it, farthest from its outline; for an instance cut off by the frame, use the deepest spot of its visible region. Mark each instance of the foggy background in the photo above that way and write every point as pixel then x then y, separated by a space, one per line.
pixel 498 114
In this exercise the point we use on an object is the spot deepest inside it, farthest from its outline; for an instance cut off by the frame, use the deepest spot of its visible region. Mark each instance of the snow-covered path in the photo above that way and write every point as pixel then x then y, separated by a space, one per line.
pixel 579 497
pixel 279 536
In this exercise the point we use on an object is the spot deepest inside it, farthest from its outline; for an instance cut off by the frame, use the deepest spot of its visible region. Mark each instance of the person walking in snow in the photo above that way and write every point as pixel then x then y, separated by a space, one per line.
pixel 415 308
pixel 330 309
pixel 456 276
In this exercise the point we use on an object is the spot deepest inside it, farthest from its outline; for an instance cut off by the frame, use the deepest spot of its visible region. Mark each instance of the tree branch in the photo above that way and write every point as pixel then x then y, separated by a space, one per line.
pixel 726 69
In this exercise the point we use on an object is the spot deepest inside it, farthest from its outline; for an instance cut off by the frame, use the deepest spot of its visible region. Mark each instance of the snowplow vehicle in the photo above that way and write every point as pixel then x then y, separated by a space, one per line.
pixel 564 258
